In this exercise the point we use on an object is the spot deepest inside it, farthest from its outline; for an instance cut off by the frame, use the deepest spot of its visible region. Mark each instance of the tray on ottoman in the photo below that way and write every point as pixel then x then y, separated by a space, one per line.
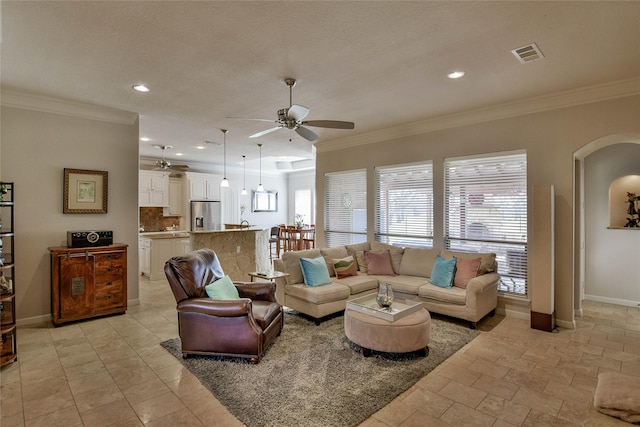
pixel 399 309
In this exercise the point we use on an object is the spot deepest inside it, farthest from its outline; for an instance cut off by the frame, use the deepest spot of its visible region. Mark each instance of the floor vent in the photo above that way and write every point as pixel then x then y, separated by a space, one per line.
pixel 528 53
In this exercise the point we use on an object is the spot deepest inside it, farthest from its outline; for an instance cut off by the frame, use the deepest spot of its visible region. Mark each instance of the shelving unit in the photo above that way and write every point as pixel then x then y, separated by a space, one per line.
pixel 8 346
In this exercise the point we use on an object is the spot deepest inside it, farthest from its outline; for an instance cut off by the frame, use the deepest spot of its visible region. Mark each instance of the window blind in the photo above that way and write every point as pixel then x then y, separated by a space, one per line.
pixel 404 204
pixel 345 208
pixel 486 211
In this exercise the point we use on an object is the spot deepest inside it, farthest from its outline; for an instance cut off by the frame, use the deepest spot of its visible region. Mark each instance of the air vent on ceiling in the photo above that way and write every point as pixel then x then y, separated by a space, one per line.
pixel 528 53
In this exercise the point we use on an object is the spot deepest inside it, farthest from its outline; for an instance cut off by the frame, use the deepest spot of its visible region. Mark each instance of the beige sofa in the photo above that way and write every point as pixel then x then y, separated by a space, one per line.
pixel 412 268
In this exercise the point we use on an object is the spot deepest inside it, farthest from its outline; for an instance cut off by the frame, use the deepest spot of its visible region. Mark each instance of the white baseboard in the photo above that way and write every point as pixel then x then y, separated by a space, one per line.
pixel 608 300
pixel 35 320
pixel 566 324
pixel 514 313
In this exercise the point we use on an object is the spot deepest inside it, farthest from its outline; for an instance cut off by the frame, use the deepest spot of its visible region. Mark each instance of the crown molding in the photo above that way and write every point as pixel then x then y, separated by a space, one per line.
pixel 569 98
pixel 45 104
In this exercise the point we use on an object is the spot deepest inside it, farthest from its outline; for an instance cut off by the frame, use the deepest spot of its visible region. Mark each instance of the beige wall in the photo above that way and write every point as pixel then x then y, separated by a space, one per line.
pixel 36 147
pixel 550 139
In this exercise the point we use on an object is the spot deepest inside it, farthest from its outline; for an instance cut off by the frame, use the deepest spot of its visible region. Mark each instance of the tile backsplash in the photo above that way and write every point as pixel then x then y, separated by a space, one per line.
pixel 151 219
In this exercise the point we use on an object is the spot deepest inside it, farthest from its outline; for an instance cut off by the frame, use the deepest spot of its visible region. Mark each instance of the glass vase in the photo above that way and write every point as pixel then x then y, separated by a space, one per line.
pixel 385 295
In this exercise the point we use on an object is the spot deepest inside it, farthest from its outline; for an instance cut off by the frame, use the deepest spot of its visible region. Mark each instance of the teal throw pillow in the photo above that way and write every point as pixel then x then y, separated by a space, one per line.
pixel 443 272
pixel 222 288
pixel 315 271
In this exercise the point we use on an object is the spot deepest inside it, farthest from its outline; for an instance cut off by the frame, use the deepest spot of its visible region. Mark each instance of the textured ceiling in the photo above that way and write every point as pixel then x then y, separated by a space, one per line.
pixel 378 64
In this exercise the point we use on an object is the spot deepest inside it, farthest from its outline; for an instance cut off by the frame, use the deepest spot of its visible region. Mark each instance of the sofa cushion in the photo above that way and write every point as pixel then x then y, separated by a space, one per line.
pixel 362 262
pixel 379 262
pixel 314 271
pixel 222 288
pixel 330 254
pixel 404 284
pixel 418 261
pixel 352 249
pixel 319 294
pixel 457 296
pixel 487 260
pixel 466 269
pixel 443 271
pixel 345 267
pixel 359 283
pixel 291 261
pixel 396 253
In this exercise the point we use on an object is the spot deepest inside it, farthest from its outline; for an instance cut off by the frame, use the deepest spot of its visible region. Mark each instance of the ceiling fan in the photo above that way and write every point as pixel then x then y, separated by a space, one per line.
pixel 292 118
pixel 166 164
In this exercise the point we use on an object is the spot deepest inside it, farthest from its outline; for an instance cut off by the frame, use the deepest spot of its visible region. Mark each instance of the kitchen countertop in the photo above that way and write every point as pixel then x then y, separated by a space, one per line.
pixel 177 234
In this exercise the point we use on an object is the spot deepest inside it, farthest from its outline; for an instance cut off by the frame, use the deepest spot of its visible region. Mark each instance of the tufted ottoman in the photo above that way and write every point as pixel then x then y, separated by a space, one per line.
pixel 410 333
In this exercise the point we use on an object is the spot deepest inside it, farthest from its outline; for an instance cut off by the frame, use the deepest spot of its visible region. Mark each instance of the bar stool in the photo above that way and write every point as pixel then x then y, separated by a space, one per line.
pixel 274 239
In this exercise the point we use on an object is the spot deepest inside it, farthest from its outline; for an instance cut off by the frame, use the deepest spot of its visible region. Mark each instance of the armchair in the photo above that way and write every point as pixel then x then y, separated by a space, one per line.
pixel 242 327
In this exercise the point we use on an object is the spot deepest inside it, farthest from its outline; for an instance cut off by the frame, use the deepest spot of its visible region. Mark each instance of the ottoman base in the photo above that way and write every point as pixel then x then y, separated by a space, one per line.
pixel 410 333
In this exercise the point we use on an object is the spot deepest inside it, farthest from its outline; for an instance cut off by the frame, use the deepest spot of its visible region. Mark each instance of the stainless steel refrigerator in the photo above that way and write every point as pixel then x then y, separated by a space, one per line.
pixel 206 216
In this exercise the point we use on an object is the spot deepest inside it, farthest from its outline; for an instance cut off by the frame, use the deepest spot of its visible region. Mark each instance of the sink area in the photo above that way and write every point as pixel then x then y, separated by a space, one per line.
pixel 165 234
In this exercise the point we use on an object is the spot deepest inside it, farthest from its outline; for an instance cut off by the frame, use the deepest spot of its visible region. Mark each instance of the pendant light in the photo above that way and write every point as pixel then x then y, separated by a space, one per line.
pixel 260 187
pixel 244 175
pixel 225 181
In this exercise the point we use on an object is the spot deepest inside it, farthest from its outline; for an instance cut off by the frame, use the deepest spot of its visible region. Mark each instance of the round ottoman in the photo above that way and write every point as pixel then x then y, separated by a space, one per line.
pixel 410 333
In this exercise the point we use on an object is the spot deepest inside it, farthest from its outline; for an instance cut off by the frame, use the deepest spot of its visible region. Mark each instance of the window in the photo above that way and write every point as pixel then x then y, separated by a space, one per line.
pixel 302 205
pixel 345 204
pixel 404 205
pixel 486 211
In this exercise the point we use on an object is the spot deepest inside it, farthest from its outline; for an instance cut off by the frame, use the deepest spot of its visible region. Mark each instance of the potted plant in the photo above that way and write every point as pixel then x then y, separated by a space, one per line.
pixel 299 220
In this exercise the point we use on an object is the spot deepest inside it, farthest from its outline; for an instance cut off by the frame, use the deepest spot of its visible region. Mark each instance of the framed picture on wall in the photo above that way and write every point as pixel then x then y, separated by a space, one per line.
pixel 265 201
pixel 85 191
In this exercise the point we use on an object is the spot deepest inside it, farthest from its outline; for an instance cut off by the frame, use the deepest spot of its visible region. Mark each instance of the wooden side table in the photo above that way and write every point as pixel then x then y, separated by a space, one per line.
pixel 271 275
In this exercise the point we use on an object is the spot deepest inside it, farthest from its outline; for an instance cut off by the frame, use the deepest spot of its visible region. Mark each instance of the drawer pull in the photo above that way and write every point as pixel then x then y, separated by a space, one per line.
pixel 109 270
pixel 108 284
pixel 109 296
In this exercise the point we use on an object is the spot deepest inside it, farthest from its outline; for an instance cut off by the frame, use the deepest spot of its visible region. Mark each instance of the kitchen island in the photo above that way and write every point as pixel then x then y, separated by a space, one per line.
pixel 240 251
pixel 155 248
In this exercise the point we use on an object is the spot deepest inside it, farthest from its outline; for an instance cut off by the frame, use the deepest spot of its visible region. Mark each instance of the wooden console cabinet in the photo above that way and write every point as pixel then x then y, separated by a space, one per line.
pixel 88 282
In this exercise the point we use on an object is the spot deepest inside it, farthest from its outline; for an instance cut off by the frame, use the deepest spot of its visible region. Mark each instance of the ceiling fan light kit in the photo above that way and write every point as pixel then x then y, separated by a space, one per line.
pixel 164 164
pixel 292 118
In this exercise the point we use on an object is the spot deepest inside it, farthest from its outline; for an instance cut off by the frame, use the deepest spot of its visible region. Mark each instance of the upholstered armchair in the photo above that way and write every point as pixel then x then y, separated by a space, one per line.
pixel 242 327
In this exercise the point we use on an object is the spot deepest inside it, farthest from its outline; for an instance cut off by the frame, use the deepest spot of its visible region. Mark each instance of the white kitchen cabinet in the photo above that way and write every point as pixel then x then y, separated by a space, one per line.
pixel 203 186
pixel 154 253
pixel 176 203
pixel 144 256
pixel 153 189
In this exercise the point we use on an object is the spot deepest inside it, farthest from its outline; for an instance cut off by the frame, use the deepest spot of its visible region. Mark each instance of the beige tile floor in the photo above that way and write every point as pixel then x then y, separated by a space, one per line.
pixel 112 372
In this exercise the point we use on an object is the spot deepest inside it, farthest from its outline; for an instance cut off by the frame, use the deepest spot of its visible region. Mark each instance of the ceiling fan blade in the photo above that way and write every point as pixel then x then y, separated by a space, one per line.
pixel 264 132
pixel 297 112
pixel 333 124
pixel 255 120
pixel 307 134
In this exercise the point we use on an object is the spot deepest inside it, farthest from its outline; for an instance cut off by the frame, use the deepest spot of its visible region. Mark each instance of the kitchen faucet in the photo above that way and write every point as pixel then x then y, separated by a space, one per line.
pixel 243 221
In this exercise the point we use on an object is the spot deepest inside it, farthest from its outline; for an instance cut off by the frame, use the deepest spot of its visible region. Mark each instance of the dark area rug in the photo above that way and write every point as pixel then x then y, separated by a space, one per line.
pixel 314 376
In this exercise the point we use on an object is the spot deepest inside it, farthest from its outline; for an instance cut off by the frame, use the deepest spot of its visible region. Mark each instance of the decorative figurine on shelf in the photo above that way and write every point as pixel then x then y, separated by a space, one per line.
pixel 385 295
pixel 3 190
pixel 5 285
pixel 633 220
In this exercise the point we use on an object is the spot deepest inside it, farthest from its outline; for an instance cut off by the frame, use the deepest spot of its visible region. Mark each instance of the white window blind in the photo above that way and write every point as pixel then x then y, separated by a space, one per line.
pixel 404 204
pixel 486 211
pixel 345 208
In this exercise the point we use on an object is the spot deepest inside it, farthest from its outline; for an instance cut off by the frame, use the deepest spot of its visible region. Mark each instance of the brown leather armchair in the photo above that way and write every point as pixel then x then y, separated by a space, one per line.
pixel 242 327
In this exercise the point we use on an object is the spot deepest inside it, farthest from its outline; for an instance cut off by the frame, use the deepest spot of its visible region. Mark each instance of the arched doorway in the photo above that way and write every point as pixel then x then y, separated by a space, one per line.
pixel 583 230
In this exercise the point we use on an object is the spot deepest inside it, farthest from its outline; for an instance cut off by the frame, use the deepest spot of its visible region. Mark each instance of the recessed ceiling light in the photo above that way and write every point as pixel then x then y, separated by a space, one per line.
pixel 179 154
pixel 456 74
pixel 141 88
pixel 144 139
pixel 200 147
